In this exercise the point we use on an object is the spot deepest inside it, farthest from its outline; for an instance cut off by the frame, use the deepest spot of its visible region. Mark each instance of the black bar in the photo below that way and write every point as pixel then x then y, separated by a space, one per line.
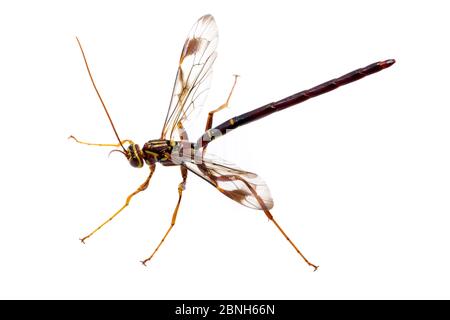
pixel 223 310
pixel 290 101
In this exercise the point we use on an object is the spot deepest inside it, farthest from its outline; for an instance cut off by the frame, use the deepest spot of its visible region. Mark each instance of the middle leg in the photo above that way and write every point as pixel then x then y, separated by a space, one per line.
pixel 181 188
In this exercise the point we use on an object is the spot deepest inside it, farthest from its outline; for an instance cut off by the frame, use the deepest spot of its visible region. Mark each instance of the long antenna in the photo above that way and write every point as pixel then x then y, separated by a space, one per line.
pixel 98 94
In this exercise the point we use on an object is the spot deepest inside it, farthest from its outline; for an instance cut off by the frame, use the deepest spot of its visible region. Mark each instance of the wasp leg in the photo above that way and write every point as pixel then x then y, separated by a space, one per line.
pixel 269 215
pixel 181 187
pixel 209 121
pixel 182 132
pixel 142 187
pixel 185 151
pixel 271 218
pixel 100 144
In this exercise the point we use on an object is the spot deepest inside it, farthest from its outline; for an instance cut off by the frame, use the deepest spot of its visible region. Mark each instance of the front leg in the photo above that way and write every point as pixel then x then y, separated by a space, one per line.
pixel 141 188
pixel 100 144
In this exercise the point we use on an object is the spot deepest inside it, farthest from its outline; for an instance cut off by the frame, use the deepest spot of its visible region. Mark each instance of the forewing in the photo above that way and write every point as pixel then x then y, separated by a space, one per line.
pixel 244 187
pixel 194 74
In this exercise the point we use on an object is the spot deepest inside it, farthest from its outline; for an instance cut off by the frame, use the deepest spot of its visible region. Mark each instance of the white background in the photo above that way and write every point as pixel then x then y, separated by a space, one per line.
pixel 360 176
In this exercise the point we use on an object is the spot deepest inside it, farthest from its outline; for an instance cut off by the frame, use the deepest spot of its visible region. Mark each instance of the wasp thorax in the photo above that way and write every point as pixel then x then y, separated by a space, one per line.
pixel 134 156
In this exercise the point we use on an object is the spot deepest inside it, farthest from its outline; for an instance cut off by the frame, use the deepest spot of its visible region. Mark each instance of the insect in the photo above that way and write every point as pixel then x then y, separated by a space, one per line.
pixel 173 147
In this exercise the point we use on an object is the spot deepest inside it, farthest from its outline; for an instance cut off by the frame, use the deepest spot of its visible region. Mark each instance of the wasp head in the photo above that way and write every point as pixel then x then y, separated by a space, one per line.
pixel 134 155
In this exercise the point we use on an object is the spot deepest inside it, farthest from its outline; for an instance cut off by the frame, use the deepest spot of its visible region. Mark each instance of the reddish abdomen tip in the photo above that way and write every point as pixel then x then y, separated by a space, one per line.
pixel 387 63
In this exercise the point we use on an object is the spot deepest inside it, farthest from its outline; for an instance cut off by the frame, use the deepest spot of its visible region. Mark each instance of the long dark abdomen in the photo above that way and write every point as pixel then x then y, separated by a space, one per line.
pixel 290 101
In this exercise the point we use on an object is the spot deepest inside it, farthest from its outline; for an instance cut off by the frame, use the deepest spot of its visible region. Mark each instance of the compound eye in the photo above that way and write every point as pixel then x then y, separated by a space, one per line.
pixel 135 162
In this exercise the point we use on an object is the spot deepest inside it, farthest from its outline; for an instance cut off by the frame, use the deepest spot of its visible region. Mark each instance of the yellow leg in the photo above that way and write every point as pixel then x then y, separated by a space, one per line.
pixel 270 217
pixel 209 121
pixel 142 187
pixel 181 187
pixel 100 144
pixel 292 243
pixel 182 132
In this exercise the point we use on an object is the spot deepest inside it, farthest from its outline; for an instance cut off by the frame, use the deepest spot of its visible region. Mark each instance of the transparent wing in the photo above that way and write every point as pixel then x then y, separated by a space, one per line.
pixel 244 187
pixel 194 74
